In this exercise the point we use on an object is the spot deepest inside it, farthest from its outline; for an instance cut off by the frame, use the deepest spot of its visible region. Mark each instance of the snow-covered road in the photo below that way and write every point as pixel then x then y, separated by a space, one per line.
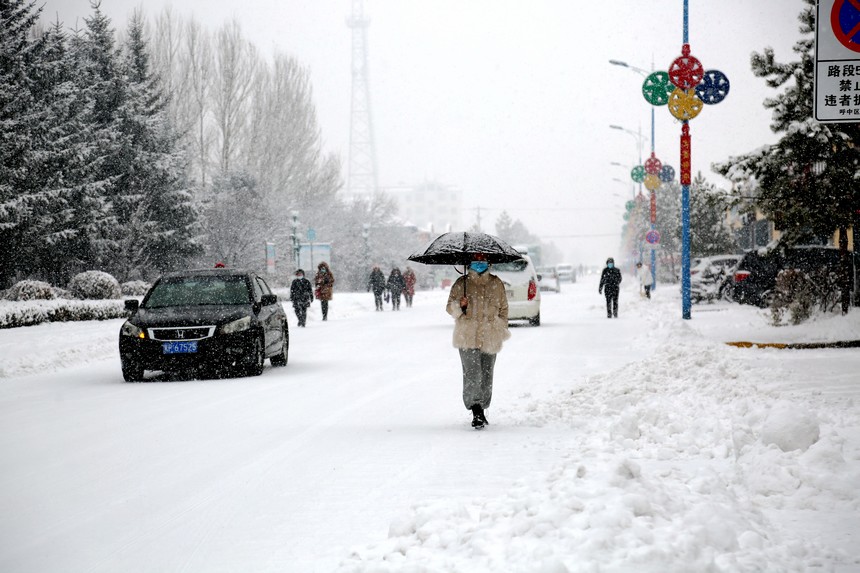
pixel 642 443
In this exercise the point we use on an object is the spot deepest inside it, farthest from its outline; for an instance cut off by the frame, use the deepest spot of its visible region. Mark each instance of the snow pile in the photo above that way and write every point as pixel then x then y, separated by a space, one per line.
pixel 668 465
pixel 730 322
pixel 597 509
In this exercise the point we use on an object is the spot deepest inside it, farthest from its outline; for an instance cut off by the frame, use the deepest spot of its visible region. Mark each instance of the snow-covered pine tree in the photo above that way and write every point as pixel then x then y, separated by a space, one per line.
pixel 60 171
pixel 102 90
pixel 155 206
pixel 709 233
pixel 18 110
pixel 807 181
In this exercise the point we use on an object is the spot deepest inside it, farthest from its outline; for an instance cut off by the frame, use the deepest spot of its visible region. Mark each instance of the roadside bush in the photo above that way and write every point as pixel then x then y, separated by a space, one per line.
pixel 30 290
pixel 798 295
pixel 94 285
pixel 134 288
pixel 61 293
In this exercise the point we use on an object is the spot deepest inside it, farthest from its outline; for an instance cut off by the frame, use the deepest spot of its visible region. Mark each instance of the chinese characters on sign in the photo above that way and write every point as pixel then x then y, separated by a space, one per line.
pixel 837 61
pixel 846 95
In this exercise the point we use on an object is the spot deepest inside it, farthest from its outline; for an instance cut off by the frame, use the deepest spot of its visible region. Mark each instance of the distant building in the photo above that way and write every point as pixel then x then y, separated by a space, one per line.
pixel 429 206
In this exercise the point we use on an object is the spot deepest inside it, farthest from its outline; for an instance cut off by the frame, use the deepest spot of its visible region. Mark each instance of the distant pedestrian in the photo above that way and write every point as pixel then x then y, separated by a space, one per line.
pixel 610 282
pixel 301 295
pixel 478 303
pixel 643 272
pixel 396 284
pixel 409 291
pixel 324 282
pixel 376 284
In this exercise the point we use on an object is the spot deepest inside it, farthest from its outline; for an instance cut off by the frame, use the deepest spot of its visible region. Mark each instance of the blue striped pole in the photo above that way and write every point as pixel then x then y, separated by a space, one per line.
pixel 686 160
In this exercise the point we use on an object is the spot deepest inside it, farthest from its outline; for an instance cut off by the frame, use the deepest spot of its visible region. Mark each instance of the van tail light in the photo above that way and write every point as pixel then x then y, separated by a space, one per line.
pixel 532 289
pixel 741 276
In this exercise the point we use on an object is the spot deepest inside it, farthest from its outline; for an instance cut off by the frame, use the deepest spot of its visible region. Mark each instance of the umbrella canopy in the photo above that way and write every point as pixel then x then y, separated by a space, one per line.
pixel 459 249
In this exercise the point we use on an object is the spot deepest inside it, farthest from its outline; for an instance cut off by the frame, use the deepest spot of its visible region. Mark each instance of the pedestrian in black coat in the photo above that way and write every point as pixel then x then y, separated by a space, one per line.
pixel 610 281
pixel 376 283
pixel 301 295
pixel 396 284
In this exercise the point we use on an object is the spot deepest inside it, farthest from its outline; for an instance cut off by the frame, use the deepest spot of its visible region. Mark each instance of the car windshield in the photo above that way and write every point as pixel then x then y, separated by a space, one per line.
pixel 515 266
pixel 193 291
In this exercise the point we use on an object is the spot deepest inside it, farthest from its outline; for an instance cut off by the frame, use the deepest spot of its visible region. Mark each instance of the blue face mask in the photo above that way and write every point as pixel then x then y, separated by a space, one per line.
pixel 479 266
pixel 610 265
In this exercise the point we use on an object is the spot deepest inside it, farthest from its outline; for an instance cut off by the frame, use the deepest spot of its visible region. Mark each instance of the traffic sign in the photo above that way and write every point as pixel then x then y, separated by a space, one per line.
pixel 652 237
pixel 312 235
pixel 837 61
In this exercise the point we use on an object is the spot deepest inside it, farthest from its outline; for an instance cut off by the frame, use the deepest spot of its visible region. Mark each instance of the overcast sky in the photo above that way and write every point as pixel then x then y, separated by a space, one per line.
pixel 512 100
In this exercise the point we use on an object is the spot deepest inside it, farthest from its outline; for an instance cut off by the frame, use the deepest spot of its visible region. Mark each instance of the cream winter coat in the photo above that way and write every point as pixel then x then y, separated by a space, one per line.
pixel 644 274
pixel 485 324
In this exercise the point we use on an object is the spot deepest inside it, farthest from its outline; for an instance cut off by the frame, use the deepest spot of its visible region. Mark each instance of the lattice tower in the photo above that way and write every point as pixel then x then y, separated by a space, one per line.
pixel 362 180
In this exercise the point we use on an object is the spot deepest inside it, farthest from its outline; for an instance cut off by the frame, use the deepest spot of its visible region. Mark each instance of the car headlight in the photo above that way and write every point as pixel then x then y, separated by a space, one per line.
pixel 239 325
pixel 128 329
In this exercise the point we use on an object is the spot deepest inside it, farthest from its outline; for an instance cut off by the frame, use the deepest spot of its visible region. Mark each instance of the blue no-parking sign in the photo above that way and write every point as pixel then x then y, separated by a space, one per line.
pixel 837 61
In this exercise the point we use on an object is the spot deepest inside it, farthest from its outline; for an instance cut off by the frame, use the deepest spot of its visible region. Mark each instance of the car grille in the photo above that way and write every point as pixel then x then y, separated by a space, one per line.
pixel 181 333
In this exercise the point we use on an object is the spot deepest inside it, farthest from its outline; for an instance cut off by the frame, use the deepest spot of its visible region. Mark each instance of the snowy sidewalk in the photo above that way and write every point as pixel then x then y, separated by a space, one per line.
pixel 699 457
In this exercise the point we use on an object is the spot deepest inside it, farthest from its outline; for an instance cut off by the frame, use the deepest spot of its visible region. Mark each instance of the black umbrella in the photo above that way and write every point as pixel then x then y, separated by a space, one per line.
pixel 460 248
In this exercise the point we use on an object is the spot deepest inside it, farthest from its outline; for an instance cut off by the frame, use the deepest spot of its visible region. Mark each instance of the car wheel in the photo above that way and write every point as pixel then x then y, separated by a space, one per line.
pixel 255 368
pixel 131 371
pixel 766 299
pixel 281 358
pixel 535 321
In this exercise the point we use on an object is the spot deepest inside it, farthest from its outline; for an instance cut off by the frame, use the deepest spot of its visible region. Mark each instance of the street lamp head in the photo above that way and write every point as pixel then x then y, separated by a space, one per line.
pixel 616 127
pixel 619 63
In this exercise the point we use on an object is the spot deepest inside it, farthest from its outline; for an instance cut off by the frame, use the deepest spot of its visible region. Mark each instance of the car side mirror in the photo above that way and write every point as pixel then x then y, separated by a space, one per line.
pixel 131 305
pixel 268 299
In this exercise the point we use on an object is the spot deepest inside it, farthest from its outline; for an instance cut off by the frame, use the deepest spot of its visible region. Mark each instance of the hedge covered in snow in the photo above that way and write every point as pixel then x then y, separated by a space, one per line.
pixel 94 285
pixel 30 290
pixel 134 288
pixel 32 312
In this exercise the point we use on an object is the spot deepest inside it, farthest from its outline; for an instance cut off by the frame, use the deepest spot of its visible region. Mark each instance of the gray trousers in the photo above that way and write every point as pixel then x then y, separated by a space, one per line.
pixel 477 377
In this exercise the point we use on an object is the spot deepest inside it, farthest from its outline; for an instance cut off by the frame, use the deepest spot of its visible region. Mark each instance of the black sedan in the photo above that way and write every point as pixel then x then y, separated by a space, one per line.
pixel 216 320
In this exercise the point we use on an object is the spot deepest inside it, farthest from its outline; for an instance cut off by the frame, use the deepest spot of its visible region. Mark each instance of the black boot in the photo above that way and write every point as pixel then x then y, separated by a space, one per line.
pixel 478 419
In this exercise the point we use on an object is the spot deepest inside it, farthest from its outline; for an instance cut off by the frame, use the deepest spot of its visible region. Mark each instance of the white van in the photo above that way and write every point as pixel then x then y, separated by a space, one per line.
pixel 521 288
pixel 566 274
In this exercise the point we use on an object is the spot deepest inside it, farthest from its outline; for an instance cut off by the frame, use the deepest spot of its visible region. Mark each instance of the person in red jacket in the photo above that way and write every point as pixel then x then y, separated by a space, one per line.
pixel 324 282
pixel 409 291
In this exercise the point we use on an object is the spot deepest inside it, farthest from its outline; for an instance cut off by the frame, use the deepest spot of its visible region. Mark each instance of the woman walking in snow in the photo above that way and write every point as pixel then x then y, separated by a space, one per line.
pixel 376 283
pixel 324 282
pixel 301 295
pixel 409 291
pixel 610 282
pixel 645 279
pixel 478 303
pixel 396 284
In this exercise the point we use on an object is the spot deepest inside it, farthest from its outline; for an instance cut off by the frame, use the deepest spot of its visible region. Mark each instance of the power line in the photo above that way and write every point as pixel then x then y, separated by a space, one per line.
pixel 580 236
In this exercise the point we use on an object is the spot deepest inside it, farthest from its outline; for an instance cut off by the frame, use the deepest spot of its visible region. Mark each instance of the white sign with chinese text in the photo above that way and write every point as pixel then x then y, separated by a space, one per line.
pixel 837 61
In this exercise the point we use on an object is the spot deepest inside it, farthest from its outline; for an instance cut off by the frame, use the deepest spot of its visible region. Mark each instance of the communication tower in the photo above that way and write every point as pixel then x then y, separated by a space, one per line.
pixel 362 181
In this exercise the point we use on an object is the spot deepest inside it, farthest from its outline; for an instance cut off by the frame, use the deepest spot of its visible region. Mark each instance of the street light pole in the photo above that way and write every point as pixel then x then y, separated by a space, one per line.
pixel 637 135
pixel 365 234
pixel 653 195
pixel 295 237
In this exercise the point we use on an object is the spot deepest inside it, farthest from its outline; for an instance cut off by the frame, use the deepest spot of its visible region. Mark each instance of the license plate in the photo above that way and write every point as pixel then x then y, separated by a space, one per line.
pixel 179 347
